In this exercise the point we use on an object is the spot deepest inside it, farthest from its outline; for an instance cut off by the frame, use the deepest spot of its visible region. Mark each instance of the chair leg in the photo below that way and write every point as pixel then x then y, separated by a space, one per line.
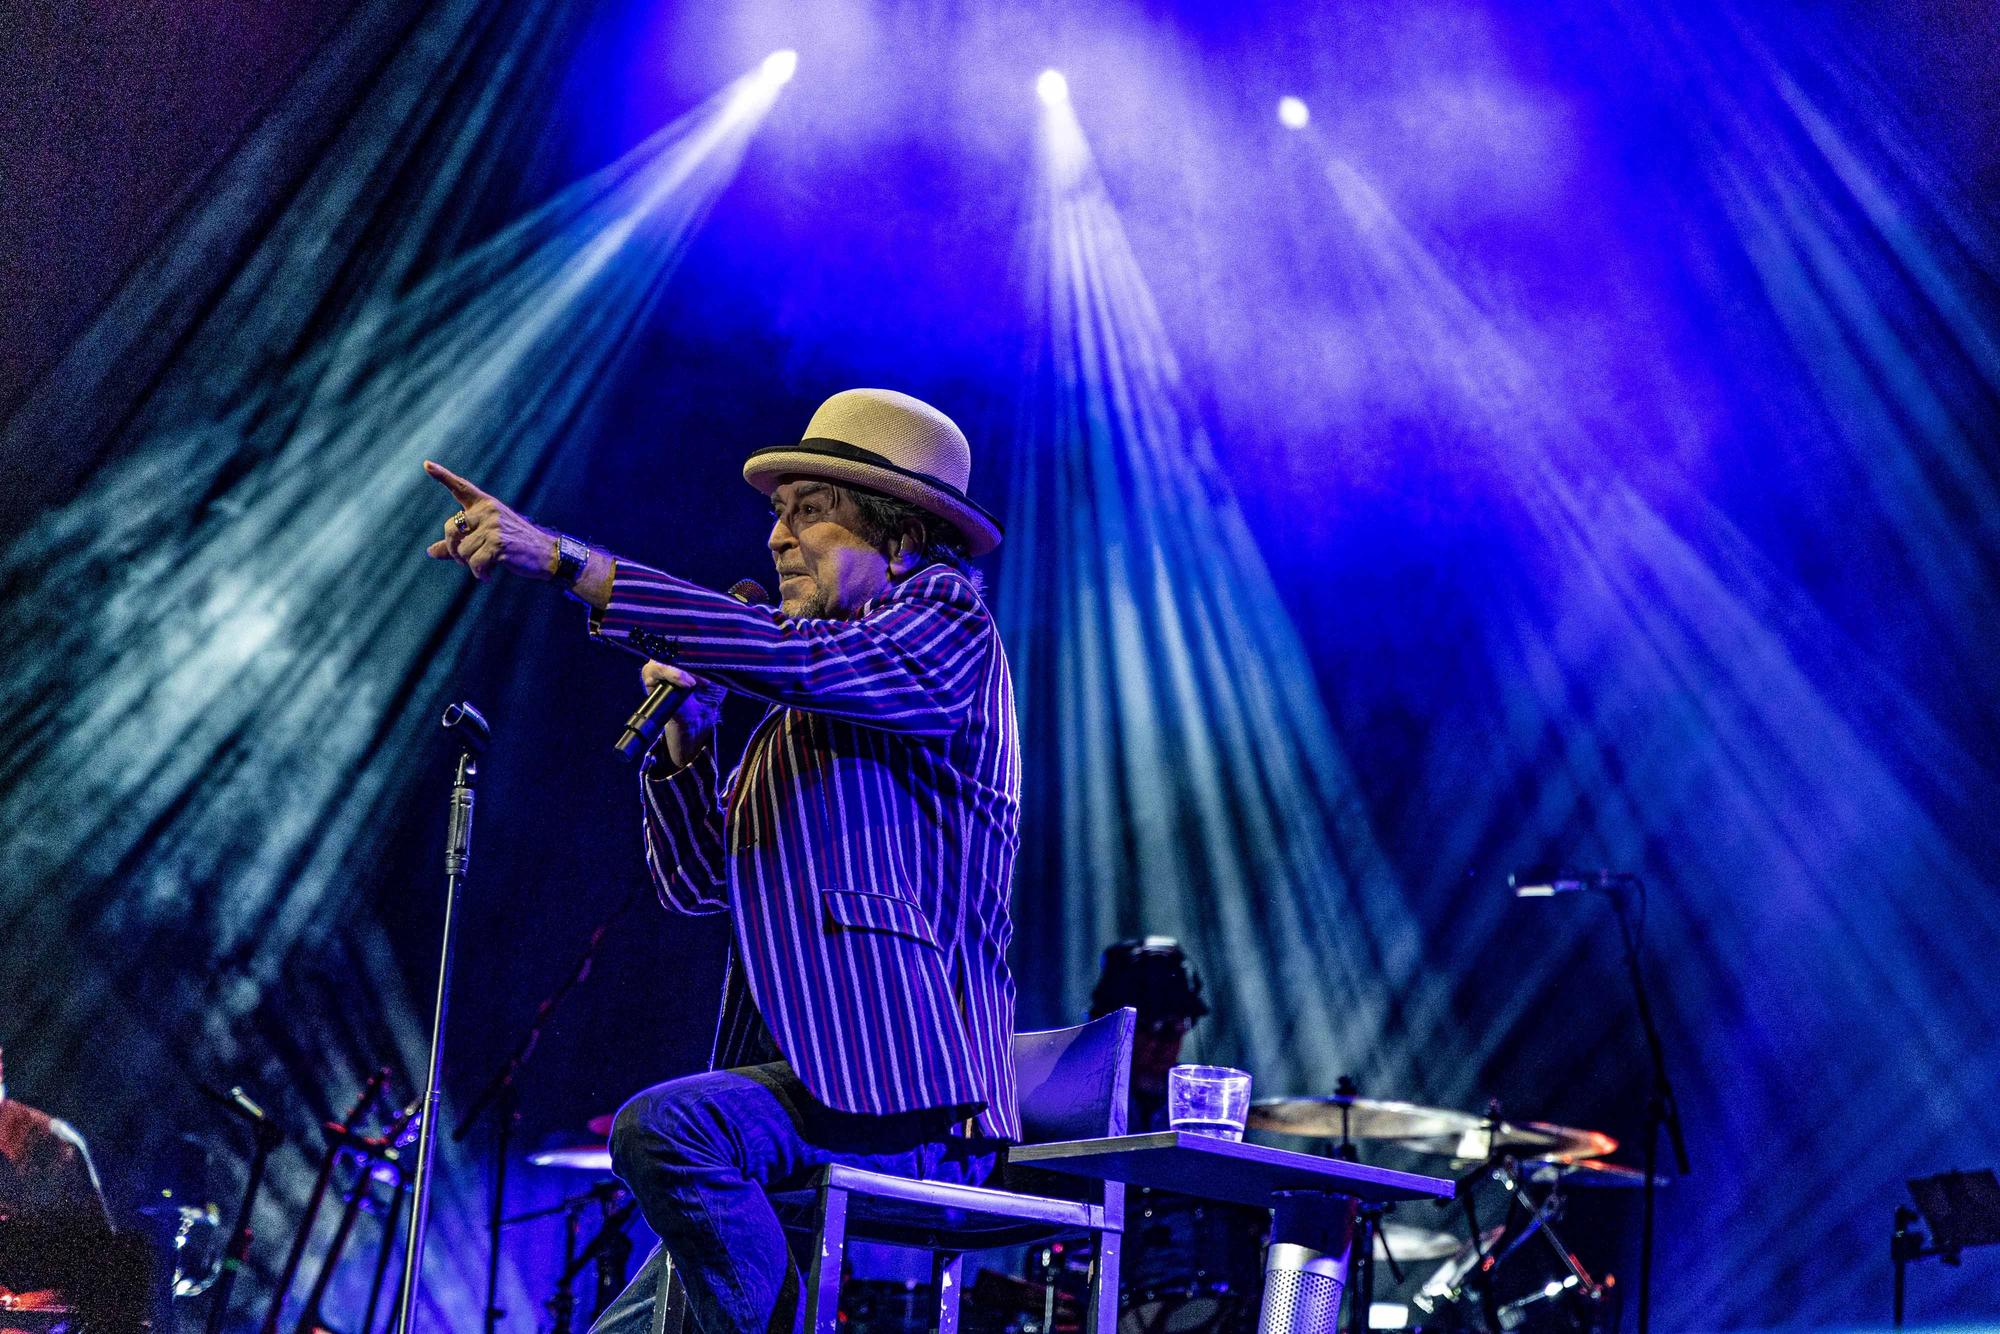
pixel 1101 1315
pixel 948 1280
pixel 670 1302
pixel 823 1284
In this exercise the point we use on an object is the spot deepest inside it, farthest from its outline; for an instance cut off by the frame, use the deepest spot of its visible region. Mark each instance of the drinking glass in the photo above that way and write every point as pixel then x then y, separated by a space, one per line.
pixel 1208 1100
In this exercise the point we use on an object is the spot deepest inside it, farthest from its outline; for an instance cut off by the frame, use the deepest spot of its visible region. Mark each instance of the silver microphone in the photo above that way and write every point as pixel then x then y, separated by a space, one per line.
pixel 1543 882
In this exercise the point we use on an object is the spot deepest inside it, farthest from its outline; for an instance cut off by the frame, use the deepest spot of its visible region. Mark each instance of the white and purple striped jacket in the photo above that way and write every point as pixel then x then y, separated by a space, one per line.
pixel 866 840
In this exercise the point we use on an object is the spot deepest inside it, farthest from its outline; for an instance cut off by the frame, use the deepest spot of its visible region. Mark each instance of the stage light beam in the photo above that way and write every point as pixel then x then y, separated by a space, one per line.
pixel 1293 113
pixel 1052 88
pixel 779 67
pixel 1138 606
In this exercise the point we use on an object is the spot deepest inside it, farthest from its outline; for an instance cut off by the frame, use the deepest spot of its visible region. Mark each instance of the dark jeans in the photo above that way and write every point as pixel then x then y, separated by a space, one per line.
pixel 698 1154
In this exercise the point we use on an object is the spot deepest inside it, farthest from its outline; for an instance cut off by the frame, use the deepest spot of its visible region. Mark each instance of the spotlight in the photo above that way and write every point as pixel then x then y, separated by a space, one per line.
pixel 1292 113
pixel 779 66
pixel 1052 88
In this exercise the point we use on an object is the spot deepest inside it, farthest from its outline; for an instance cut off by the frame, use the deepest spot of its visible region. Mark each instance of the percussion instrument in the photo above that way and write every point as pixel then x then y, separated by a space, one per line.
pixel 1436 1130
pixel 577 1157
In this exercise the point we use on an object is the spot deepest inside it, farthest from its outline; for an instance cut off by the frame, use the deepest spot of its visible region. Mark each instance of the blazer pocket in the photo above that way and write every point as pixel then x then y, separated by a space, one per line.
pixel 862 910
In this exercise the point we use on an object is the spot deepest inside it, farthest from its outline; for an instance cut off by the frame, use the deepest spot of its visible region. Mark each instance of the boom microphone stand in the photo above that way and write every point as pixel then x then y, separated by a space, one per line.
pixel 1661 1107
pixel 470 729
pixel 503 1091
pixel 268 1137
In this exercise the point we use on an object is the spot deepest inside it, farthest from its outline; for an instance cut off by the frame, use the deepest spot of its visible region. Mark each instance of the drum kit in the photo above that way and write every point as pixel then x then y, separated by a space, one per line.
pixel 1194 1267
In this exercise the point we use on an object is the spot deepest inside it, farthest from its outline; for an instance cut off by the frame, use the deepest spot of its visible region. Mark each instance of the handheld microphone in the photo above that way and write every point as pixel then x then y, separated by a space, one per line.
pixel 664 700
pixel 1543 882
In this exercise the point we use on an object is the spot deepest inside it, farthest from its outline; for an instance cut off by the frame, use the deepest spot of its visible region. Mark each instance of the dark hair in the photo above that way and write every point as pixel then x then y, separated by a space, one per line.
pixel 884 519
pixel 1152 974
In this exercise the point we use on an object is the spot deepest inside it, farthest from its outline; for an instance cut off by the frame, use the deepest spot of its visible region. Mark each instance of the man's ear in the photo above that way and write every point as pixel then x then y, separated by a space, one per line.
pixel 909 549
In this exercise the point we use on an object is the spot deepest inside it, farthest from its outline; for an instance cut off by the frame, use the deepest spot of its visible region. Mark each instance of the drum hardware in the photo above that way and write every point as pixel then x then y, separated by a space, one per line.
pixel 1443 1288
pixel 1587 1174
pixel 1407 1243
pixel 1346 1119
pixel 587 1157
pixel 502 1091
pixel 392 1222
pixel 377 1158
pixel 1468 1277
pixel 610 1250
pixel 338 1133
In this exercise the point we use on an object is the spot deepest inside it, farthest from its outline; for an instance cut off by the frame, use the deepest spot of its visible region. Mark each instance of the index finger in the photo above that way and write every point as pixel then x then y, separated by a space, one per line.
pixel 654 672
pixel 464 492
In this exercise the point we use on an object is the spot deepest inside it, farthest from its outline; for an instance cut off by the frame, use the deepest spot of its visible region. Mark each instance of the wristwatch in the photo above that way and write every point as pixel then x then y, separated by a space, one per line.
pixel 571 556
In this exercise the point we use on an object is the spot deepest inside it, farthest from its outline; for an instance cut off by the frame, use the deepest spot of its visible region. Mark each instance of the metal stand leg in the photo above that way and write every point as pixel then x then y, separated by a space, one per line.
pixel 1906 1243
pixel 823 1284
pixel 670 1305
pixel 948 1281
pixel 1102 1315
pixel 392 1219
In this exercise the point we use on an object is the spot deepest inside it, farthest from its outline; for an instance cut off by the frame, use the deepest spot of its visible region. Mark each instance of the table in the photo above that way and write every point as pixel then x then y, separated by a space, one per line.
pixel 1313 1201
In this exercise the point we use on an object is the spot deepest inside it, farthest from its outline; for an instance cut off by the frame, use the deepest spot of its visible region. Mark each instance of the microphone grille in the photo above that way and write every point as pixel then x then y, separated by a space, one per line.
pixel 750 593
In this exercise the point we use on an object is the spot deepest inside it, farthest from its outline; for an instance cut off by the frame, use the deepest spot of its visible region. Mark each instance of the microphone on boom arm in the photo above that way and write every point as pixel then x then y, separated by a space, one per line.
pixel 1543 882
pixel 664 700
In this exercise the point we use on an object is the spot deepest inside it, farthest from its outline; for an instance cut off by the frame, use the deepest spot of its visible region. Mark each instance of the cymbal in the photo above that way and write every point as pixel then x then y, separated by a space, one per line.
pixel 580 1157
pixel 1407 1242
pixel 600 1126
pixel 1587 1173
pixel 1421 1129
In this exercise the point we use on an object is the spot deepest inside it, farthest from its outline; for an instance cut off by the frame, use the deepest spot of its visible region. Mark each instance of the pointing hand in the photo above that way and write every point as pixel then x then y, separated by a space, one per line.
pixel 487 535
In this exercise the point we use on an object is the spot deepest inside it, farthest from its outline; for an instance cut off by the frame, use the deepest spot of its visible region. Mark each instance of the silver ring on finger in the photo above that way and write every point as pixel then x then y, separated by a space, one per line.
pixel 462 524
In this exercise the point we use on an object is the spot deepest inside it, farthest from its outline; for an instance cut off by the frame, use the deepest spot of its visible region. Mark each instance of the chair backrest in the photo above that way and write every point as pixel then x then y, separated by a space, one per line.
pixel 1073 1082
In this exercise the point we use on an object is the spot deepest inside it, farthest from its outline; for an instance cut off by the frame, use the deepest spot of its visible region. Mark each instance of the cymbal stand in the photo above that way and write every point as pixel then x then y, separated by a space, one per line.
pixel 392 1218
pixel 1367 1217
pixel 365 1152
pixel 562 1306
pixel 337 1130
pixel 611 1251
pixel 1541 1218
pixel 609 1246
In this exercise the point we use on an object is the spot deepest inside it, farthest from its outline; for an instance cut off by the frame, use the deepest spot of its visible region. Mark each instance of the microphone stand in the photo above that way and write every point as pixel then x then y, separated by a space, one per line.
pixel 268 1136
pixel 1662 1109
pixel 470 729
pixel 502 1089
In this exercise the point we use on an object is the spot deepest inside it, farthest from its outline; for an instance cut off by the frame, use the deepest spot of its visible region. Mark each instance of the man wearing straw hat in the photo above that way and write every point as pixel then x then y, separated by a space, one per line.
pixel 863 844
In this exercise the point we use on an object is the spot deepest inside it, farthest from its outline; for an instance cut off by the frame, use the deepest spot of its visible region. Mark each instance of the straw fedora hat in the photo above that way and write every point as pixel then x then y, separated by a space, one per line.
pixel 887 442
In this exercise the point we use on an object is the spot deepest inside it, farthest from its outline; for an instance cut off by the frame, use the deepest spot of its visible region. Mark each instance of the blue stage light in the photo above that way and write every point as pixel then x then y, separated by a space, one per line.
pixel 1292 113
pixel 1052 88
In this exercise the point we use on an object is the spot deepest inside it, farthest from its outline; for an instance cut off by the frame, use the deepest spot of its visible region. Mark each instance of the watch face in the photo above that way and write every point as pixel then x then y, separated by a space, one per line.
pixel 571 557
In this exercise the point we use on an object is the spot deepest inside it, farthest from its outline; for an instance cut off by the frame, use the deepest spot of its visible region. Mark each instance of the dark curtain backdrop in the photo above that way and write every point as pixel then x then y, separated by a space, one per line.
pixel 1578 443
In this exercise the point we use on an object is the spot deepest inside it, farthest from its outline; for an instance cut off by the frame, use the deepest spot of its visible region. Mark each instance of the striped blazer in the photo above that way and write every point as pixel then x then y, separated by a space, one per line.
pixel 864 845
